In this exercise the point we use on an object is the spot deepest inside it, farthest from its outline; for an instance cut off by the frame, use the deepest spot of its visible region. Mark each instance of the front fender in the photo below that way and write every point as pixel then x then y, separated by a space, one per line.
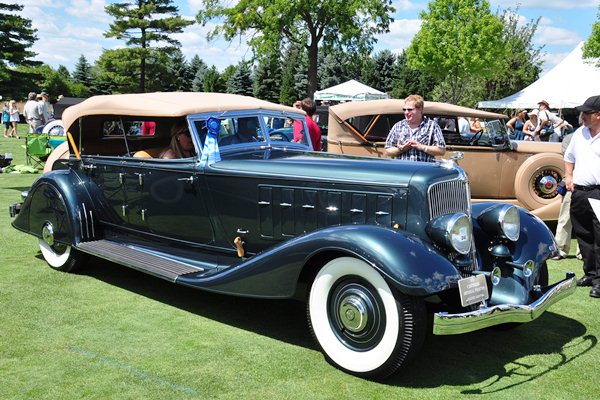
pixel 536 241
pixel 59 198
pixel 411 265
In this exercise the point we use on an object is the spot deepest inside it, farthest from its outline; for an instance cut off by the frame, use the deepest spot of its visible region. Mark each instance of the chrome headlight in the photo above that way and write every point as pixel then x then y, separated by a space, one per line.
pixel 452 231
pixel 501 220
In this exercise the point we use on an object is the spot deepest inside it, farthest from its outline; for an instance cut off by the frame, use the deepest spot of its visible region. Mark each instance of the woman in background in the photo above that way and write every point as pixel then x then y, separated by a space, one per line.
pixel 6 118
pixel 516 124
pixel 14 118
pixel 530 126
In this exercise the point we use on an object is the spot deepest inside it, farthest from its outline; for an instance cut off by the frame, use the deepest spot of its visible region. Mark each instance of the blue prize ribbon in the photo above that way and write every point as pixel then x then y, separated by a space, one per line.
pixel 210 152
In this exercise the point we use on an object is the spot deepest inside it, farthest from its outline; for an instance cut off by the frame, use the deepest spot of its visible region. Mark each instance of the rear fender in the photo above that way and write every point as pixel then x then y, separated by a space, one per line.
pixel 59 198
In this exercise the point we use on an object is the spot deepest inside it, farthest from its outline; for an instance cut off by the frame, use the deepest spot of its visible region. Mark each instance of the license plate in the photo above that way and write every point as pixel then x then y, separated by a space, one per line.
pixel 472 290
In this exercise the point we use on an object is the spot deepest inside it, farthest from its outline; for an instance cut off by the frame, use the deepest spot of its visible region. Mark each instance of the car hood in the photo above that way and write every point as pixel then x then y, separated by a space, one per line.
pixel 335 167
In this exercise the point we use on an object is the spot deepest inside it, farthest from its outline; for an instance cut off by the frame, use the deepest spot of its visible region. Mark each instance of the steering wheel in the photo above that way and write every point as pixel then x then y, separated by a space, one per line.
pixel 475 138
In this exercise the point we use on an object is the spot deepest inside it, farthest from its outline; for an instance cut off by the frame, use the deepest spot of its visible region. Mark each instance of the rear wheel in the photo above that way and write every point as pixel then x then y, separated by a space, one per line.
pixel 361 324
pixel 60 257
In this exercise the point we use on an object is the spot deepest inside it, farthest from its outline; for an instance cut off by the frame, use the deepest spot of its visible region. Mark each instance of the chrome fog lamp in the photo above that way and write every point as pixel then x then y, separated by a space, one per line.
pixel 501 220
pixel 452 231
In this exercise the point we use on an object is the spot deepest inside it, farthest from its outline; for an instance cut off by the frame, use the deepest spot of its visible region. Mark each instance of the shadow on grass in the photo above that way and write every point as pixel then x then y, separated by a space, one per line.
pixel 468 359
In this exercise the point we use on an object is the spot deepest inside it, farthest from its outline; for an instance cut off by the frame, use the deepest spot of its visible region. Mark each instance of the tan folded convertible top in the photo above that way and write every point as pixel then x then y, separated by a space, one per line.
pixel 163 104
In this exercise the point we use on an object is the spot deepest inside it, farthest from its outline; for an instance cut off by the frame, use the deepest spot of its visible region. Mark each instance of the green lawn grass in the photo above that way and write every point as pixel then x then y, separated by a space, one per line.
pixel 114 333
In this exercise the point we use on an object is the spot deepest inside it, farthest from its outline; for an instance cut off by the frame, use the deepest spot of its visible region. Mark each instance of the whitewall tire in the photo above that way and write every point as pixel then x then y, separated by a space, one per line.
pixel 362 325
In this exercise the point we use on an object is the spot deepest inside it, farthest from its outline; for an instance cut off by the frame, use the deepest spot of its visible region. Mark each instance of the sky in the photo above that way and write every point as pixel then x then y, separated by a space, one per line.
pixel 69 28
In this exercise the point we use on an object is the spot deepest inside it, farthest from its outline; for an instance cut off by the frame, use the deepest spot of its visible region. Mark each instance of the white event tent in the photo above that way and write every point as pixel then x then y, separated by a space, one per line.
pixel 567 85
pixel 351 90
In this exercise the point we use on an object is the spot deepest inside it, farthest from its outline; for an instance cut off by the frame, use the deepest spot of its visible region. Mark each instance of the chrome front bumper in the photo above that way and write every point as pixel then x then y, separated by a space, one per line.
pixel 452 324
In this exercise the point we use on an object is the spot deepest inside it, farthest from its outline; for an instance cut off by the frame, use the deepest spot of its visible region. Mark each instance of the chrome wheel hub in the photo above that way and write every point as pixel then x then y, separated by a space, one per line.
pixel 48 234
pixel 353 313
pixel 545 184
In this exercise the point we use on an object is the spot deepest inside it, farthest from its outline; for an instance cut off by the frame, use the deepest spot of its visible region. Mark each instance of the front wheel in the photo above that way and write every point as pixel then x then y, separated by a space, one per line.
pixel 361 324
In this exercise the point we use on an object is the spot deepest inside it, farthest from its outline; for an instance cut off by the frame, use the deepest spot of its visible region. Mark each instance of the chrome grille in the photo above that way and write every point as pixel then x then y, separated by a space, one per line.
pixel 449 197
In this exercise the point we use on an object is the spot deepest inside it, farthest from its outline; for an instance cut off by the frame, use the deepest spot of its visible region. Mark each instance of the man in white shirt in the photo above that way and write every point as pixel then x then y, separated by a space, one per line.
pixel 582 178
pixel 31 112
pixel 46 108
pixel 549 121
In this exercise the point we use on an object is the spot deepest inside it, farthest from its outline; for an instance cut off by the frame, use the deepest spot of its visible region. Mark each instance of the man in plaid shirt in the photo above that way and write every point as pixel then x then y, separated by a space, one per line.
pixel 416 137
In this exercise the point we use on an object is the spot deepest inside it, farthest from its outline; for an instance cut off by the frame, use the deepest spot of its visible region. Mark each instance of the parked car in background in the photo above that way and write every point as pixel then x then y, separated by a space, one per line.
pixel 375 247
pixel 519 172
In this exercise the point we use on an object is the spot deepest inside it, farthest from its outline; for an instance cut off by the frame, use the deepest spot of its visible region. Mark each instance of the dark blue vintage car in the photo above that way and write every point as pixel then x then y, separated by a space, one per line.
pixel 370 244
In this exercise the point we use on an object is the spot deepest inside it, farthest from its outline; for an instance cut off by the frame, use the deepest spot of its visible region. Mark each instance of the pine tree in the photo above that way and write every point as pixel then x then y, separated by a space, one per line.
pixel 212 81
pixel 82 72
pixel 241 80
pixel 267 78
pixel 142 22
pixel 16 38
pixel 178 73
pixel 197 70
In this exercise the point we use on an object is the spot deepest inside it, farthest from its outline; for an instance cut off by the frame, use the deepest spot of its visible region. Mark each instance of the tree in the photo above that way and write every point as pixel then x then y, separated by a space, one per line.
pixel 351 24
pixel 241 80
pixel 16 38
pixel 458 40
pixel 197 69
pixel 294 60
pixel 591 48
pixel 407 81
pixel 115 68
pixel 332 69
pixel 267 78
pixel 82 73
pixel 142 22
pixel 212 81
pixel 178 79
pixel 522 64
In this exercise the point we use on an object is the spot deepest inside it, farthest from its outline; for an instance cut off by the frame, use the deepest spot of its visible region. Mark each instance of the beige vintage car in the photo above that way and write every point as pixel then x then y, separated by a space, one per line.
pixel 517 172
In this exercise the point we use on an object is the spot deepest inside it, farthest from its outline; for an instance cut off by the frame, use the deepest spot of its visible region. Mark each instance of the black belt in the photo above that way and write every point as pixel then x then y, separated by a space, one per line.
pixel 586 188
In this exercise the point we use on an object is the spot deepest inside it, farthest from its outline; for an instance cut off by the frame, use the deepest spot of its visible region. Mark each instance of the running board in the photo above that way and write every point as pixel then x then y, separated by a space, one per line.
pixel 158 266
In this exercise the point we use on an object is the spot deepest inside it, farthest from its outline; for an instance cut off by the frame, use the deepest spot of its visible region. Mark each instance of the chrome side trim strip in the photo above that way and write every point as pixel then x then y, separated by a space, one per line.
pixel 452 324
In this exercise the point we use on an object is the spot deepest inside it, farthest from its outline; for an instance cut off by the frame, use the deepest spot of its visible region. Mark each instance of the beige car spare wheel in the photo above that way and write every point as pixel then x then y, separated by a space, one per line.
pixel 61 151
pixel 537 180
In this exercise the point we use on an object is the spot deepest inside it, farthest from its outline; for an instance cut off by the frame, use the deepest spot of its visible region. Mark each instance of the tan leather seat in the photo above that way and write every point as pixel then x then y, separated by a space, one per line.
pixel 148 153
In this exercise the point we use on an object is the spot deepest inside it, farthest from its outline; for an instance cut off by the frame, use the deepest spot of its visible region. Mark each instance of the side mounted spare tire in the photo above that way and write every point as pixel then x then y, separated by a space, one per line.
pixel 537 180
pixel 61 151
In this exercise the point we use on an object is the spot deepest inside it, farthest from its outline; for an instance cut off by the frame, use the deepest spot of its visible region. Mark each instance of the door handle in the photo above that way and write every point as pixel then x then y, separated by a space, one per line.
pixel 189 180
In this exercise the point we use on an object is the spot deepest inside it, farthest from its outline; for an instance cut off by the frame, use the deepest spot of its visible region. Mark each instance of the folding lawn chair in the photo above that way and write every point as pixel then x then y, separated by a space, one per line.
pixel 37 149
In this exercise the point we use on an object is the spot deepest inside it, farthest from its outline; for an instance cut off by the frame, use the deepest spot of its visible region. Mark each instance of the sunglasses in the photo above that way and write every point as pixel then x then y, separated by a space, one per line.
pixel 407 109
pixel 590 112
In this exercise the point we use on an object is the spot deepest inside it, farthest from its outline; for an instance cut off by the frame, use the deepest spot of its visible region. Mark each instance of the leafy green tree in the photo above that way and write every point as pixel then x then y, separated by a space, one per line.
pixel 591 48
pixel 82 72
pixel 16 38
pixel 212 81
pixel 115 68
pixel 144 22
pixel 458 40
pixel 351 24
pixel 267 78
pixel 521 65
